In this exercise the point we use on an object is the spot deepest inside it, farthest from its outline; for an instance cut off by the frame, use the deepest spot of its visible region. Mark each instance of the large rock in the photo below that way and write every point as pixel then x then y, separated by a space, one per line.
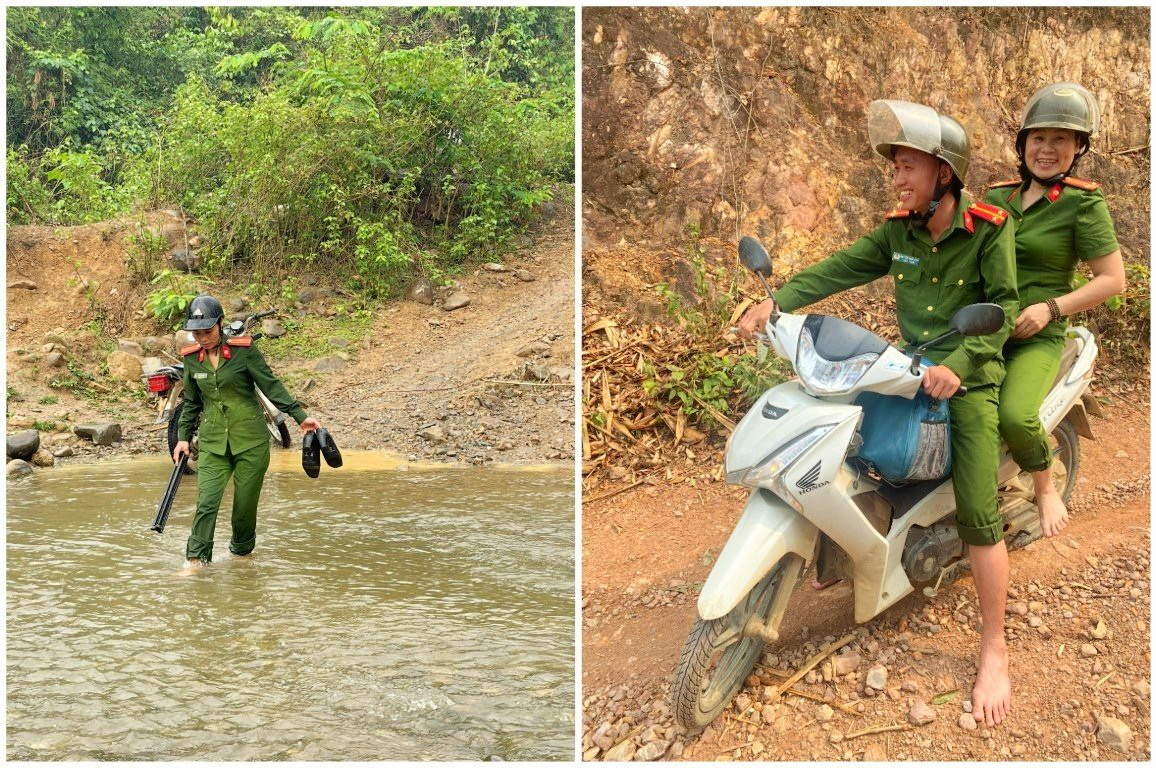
pixel 124 366
pixel 43 458
pixel 1115 734
pixel 421 291
pixel 456 300
pixel 99 434
pixel 877 677
pixel 23 445
pixel 27 285
pixel 130 346
pixel 272 329
pixel 329 364
pixel 185 260
pixel 18 468
pixel 622 753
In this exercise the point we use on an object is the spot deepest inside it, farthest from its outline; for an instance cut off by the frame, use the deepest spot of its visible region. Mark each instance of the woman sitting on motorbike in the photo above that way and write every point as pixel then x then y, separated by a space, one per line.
pixel 1060 219
pixel 220 376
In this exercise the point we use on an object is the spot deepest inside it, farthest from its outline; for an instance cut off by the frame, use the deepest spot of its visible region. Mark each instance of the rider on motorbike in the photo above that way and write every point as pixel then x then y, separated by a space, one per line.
pixel 1060 220
pixel 944 252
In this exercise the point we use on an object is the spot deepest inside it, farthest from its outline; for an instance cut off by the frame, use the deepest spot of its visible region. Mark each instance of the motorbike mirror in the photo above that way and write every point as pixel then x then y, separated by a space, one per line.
pixel 754 256
pixel 234 328
pixel 978 319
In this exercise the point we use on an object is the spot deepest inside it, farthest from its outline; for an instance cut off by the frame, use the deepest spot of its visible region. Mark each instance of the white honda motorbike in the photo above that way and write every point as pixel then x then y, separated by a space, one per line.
pixel 812 501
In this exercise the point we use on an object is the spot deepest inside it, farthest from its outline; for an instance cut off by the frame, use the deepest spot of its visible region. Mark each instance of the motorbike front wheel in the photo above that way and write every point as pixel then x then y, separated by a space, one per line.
pixel 720 653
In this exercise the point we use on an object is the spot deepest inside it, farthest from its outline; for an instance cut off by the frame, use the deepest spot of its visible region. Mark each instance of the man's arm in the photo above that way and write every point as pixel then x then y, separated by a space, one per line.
pixel 997 267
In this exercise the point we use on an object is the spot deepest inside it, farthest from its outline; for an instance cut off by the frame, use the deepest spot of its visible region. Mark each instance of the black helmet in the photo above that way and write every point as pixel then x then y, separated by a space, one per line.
pixel 203 313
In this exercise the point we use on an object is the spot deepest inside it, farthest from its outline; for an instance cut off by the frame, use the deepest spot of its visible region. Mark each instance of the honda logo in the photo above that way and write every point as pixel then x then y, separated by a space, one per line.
pixel 807 482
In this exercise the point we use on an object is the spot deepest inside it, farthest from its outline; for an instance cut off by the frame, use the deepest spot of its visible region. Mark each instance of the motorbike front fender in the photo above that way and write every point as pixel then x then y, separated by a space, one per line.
pixel 768 529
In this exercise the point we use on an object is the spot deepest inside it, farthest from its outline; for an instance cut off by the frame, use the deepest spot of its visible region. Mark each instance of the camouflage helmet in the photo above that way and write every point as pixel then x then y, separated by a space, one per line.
pixel 893 124
pixel 203 313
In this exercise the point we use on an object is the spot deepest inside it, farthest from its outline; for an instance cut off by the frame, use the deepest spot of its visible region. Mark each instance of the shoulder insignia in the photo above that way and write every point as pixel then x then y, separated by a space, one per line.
pixel 240 341
pixel 1008 183
pixel 988 212
pixel 189 349
pixel 1078 183
pixel 898 213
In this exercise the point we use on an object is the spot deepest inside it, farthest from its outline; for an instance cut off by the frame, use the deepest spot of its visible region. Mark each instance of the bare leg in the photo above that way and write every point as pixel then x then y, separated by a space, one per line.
pixel 1053 513
pixel 991 696
pixel 192 566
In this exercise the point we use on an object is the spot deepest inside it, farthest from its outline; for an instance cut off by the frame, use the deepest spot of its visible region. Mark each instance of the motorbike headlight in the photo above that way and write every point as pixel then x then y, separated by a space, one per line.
pixel 769 472
pixel 829 377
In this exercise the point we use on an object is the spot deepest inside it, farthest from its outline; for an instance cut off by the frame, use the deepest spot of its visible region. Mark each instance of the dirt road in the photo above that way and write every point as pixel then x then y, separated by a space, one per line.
pixel 646 552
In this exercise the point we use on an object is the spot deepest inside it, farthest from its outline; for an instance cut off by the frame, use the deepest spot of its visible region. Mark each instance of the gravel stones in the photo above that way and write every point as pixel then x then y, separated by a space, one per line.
pixel 1115 734
pixel 920 714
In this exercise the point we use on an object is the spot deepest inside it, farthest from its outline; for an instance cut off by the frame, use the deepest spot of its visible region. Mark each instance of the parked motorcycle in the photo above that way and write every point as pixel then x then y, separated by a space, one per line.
pixel 813 500
pixel 167 385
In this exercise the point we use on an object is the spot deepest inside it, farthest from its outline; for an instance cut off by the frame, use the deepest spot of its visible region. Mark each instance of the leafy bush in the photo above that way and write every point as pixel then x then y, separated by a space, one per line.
pixel 175 291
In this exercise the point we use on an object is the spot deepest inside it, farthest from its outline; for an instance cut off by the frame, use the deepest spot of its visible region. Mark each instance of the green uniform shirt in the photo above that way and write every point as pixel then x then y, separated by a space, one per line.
pixel 224 398
pixel 1066 225
pixel 932 281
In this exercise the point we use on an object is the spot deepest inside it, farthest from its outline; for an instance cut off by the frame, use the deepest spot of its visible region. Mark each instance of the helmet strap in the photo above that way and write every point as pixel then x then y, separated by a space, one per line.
pixel 921 219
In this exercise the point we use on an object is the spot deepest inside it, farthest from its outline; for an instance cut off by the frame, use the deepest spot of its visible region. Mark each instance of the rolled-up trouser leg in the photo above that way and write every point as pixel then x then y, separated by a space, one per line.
pixel 1031 367
pixel 249 468
pixel 213 472
pixel 975 465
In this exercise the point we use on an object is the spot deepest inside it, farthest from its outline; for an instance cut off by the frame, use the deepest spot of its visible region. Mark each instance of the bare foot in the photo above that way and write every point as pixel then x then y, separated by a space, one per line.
pixel 192 567
pixel 991 696
pixel 819 586
pixel 1053 513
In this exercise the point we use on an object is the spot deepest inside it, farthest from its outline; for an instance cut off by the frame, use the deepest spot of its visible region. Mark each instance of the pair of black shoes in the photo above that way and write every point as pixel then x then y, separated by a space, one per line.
pixel 318 443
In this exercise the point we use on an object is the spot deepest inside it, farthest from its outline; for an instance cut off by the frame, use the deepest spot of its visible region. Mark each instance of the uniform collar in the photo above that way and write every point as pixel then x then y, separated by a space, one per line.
pixel 225 353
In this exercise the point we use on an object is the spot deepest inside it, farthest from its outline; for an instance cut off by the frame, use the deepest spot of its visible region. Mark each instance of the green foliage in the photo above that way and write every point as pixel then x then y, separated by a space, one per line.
pixel 173 294
pixel 1123 323
pixel 145 251
pixel 44 426
pixel 61 186
pixel 309 337
pixel 706 379
pixel 49 400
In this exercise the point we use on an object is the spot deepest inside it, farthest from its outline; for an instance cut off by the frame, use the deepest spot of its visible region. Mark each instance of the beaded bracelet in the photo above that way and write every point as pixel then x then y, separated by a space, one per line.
pixel 1054 308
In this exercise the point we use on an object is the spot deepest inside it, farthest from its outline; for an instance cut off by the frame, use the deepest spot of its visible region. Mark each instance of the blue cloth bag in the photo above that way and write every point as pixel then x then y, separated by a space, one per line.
pixel 905 440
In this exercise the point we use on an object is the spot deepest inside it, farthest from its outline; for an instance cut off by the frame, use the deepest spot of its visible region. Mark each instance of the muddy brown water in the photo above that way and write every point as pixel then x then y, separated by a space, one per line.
pixel 389 612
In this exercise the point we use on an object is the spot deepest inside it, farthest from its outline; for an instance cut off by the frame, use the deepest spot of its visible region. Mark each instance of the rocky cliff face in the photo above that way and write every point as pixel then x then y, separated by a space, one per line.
pixel 753 121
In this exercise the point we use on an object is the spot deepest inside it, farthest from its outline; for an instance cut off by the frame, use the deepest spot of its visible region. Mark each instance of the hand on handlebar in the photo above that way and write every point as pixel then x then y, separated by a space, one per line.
pixel 754 320
pixel 180 448
pixel 940 382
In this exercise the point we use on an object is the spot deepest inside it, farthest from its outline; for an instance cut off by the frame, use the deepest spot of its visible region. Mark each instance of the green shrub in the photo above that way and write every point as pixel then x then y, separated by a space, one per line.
pixel 173 294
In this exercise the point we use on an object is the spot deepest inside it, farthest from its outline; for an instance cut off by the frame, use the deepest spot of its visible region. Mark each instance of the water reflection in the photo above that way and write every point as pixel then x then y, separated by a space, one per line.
pixel 386 614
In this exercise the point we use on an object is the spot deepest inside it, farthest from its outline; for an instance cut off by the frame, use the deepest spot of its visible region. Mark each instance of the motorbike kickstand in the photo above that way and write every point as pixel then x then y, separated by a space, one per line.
pixel 948 574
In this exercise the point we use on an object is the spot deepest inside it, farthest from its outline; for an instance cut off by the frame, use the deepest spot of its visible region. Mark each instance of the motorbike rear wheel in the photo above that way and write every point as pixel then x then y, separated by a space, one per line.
pixel 719 655
pixel 279 433
pixel 1065 469
pixel 173 438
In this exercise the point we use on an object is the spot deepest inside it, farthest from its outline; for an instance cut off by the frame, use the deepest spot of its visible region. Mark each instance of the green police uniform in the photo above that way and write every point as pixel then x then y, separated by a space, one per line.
pixel 233 438
pixel 1070 223
pixel 973 261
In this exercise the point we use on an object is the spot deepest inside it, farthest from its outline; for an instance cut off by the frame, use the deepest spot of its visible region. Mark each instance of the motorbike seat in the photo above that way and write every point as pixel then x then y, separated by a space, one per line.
pixel 903 498
pixel 1067 360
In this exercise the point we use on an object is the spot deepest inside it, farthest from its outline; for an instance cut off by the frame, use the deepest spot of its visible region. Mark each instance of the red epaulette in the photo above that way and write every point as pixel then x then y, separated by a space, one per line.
pixel 1085 184
pixel 898 213
pixel 1008 183
pixel 988 212
pixel 189 349
pixel 240 341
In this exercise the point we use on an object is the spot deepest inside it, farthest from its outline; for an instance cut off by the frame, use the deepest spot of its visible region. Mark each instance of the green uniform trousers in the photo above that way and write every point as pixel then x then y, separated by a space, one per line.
pixel 1032 365
pixel 975 453
pixel 248 471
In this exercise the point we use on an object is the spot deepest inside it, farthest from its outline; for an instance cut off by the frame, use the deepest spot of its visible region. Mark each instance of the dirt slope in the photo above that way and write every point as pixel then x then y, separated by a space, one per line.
pixel 417 367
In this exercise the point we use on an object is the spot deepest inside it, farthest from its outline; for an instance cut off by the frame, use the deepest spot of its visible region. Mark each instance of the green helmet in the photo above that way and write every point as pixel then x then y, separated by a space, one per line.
pixel 1062 105
pixel 893 124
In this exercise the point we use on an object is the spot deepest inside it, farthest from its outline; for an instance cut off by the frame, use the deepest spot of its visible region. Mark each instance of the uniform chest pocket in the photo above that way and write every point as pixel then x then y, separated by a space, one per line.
pixel 907 270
